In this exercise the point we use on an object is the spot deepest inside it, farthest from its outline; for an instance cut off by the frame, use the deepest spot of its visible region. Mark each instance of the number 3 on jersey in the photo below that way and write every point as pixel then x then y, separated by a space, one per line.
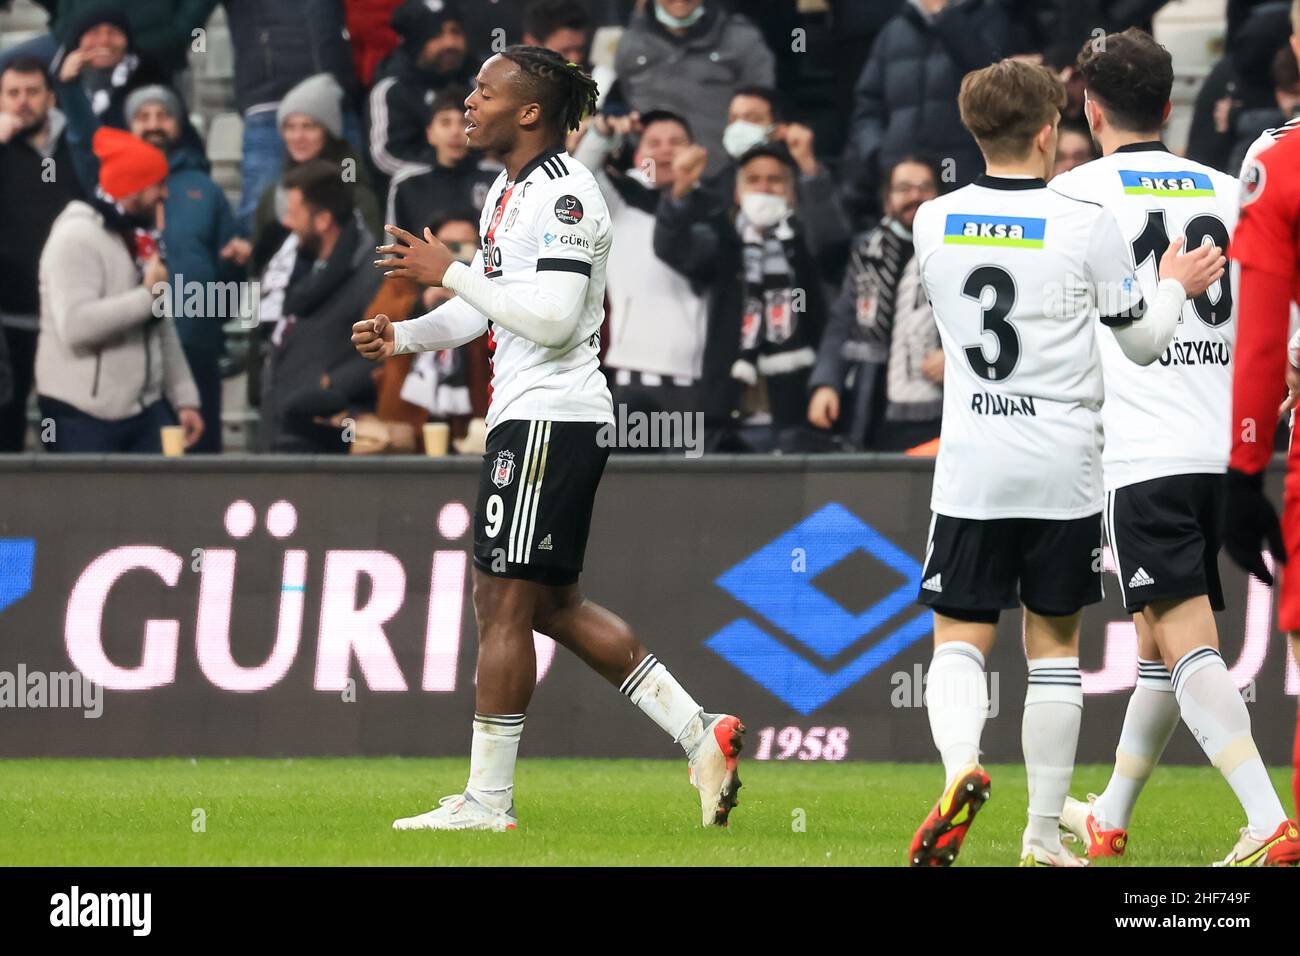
pixel 994 320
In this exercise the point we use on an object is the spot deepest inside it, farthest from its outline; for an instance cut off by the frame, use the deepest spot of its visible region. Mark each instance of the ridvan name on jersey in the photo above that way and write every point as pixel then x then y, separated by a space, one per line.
pixel 987 403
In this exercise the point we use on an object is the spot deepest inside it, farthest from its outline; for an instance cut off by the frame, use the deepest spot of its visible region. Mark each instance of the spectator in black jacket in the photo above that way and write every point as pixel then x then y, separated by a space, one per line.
pixel 448 178
pixel 430 60
pixel 315 379
pixel 36 182
pixel 906 98
pixel 98 67
pixel 277 45
pixel 766 303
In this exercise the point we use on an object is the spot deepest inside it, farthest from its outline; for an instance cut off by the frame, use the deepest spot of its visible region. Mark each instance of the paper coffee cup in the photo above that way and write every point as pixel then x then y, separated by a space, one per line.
pixel 437 435
pixel 173 441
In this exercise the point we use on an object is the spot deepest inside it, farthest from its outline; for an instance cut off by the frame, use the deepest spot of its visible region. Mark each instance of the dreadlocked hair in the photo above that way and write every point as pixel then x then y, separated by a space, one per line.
pixel 565 92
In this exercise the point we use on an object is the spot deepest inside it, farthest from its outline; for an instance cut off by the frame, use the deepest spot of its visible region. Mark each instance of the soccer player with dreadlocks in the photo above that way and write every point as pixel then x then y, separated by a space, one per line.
pixel 539 296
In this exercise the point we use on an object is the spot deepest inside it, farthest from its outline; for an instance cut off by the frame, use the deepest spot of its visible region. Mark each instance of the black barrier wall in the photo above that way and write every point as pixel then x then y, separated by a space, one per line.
pixel 322 606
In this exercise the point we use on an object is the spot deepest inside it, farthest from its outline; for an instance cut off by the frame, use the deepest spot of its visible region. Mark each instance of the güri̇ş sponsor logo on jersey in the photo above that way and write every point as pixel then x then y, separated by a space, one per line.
pixel 783 592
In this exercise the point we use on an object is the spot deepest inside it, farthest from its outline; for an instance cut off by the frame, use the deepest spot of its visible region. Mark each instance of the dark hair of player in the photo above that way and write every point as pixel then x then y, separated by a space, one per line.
pixel 1130 76
pixel 323 189
pixel 650 117
pixel 1005 105
pixel 545 17
pixel 564 92
pixel 26 66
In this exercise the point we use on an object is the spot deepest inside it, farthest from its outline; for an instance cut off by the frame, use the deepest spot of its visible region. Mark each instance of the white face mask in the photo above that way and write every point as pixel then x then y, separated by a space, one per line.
pixel 763 210
pixel 741 136
pixel 678 23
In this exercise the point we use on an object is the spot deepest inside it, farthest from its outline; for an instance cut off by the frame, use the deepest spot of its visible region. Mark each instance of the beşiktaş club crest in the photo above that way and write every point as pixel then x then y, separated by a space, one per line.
pixel 504 470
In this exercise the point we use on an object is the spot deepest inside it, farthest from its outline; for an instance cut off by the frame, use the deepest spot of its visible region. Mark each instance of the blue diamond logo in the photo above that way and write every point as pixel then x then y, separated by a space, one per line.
pixel 17 558
pixel 776 582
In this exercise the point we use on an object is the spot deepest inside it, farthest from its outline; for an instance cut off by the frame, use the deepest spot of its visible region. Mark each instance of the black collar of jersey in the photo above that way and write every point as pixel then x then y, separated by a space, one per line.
pixel 1148 146
pixel 536 161
pixel 1006 182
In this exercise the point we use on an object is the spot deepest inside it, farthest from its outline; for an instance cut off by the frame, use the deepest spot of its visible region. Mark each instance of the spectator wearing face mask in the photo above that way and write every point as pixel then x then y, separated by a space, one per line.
pixel 690 57
pixel 448 177
pixel 753 117
pixel 110 372
pixel 657 320
pixel 766 304
pixel 879 374
pixel 32 144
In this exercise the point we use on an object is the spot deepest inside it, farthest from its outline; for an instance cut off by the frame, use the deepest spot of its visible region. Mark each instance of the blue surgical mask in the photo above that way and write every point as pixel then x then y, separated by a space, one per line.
pixel 677 23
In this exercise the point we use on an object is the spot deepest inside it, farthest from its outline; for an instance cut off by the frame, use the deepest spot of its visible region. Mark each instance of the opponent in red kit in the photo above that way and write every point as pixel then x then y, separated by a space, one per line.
pixel 1267 247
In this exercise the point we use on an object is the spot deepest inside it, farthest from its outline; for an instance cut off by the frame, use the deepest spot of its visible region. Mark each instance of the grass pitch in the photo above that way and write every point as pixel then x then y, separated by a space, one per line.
pixel 572 812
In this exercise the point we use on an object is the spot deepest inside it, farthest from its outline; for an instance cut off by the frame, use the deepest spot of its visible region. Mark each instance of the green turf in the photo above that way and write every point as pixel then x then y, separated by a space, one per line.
pixel 586 812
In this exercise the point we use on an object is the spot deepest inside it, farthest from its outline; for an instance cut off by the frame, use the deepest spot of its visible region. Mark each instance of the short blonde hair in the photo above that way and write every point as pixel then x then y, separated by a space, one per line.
pixel 1006 104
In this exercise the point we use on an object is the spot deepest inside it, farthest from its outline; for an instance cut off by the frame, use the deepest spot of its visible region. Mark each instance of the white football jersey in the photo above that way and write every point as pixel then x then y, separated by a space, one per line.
pixel 1018 276
pixel 1171 417
pixel 552 216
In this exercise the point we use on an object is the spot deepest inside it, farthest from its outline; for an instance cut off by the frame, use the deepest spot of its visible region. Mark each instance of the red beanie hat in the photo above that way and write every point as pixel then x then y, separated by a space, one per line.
pixel 126 164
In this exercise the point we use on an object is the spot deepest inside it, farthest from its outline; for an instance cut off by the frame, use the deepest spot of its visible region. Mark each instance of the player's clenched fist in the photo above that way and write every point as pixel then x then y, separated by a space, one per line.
pixel 1197 270
pixel 373 338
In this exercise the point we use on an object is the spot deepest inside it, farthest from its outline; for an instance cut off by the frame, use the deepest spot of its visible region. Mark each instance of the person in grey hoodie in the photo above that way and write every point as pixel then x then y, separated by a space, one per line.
pixel 690 57
pixel 110 372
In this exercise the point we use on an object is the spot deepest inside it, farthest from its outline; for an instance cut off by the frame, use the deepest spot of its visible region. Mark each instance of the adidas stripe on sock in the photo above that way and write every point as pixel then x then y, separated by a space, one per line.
pixel 1213 710
pixel 1149 722
pixel 492 756
pixel 664 701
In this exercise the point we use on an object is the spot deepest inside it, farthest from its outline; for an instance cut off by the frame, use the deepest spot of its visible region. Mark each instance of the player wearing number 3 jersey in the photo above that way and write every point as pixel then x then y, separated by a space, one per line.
pixel 1019 277
pixel 539 296
pixel 1167 441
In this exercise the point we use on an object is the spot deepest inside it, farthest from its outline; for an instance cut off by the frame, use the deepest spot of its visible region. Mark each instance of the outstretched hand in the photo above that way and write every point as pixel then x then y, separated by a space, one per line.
pixel 421 260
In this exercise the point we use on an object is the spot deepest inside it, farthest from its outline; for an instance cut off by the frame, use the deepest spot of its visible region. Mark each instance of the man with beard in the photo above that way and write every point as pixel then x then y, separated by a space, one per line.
pixel 110 372
pixel 314 377
pixel 32 193
pixel 431 58
pixel 879 373
pixel 203 249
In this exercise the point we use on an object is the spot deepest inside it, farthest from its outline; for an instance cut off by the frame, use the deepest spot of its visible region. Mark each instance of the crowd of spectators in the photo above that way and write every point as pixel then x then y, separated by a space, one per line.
pixel 762 163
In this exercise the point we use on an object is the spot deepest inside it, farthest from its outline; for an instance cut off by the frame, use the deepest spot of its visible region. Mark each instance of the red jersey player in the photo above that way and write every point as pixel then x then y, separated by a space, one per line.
pixel 1267 247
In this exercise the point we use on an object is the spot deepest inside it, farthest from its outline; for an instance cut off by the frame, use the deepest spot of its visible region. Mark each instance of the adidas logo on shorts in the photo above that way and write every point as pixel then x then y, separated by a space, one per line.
pixel 1140 579
pixel 544 544
pixel 932 584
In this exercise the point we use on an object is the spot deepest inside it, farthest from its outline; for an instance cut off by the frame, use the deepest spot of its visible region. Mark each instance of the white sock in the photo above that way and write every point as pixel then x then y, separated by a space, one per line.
pixel 492 759
pixel 1148 724
pixel 1217 717
pixel 663 700
pixel 957 702
pixel 1049 736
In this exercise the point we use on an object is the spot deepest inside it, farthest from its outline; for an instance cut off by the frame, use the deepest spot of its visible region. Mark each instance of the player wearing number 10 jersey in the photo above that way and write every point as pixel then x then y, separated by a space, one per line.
pixel 539 297
pixel 1019 277
pixel 1167 442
